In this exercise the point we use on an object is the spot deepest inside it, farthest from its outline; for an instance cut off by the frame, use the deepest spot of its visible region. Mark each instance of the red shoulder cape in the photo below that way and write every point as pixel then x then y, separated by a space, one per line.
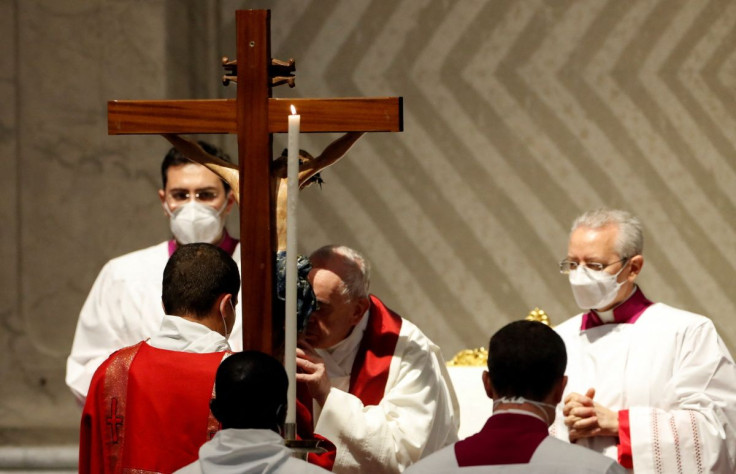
pixel 148 410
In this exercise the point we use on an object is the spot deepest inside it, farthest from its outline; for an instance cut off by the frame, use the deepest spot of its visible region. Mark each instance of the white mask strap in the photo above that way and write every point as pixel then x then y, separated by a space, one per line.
pixel 522 400
pixel 223 317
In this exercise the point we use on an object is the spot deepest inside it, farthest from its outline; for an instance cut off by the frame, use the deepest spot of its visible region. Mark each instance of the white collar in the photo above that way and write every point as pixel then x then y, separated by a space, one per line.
pixel 179 334
pixel 339 358
pixel 608 316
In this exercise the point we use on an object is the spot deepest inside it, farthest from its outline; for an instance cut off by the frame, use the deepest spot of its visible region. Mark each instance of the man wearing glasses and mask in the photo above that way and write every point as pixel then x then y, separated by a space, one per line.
pixel 651 386
pixel 124 304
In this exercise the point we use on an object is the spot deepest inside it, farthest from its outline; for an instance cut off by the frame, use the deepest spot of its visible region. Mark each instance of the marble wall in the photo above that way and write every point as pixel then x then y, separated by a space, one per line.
pixel 78 196
pixel 518 116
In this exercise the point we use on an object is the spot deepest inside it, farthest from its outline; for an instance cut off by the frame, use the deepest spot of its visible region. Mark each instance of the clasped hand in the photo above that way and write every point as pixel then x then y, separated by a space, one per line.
pixel 585 418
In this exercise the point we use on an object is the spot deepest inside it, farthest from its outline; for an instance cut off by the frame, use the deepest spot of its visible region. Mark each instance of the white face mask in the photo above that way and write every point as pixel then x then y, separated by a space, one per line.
pixel 521 400
pixel 592 289
pixel 196 222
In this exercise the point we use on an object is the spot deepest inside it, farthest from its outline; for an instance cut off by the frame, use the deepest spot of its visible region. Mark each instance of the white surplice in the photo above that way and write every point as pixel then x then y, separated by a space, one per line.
pixel 417 415
pixel 123 308
pixel 673 373
pixel 236 451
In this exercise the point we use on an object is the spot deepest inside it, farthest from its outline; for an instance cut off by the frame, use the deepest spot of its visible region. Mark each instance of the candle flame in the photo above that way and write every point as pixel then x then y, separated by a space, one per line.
pixel 293 110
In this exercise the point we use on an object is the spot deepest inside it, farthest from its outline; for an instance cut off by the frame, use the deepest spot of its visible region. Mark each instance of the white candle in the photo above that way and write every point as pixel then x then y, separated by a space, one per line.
pixel 291 271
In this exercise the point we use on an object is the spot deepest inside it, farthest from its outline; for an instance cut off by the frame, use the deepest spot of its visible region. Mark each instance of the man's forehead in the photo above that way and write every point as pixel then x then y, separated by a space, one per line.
pixel 192 175
pixel 325 279
pixel 193 188
pixel 600 239
pixel 324 274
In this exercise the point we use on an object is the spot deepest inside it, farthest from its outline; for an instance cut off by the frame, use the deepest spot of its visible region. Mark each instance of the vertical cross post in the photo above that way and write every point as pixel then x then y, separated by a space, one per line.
pixel 254 155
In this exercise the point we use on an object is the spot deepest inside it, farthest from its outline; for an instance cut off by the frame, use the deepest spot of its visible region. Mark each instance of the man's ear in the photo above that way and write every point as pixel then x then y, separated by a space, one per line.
pixel 162 197
pixel 361 307
pixel 223 303
pixel 559 390
pixel 226 307
pixel 488 385
pixel 637 262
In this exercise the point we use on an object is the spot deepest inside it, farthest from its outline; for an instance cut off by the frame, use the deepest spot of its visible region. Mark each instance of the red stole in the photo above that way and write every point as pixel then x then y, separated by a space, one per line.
pixel 373 360
pixel 148 410
pixel 369 374
pixel 506 438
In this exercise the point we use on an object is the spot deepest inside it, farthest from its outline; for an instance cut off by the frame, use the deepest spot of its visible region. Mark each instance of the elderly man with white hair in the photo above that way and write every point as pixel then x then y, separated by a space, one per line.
pixel 379 387
pixel 649 385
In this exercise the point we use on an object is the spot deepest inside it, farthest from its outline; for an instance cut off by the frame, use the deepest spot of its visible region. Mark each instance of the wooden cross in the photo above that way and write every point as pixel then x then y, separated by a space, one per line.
pixel 254 115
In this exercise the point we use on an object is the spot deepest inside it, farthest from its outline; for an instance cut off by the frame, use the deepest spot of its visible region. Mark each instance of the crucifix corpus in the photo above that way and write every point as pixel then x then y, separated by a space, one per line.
pixel 254 116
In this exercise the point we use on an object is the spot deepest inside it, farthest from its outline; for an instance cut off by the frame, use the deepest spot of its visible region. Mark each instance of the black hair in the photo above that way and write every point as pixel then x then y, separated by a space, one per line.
pixel 175 158
pixel 526 359
pixel 250 392
pixel 195 276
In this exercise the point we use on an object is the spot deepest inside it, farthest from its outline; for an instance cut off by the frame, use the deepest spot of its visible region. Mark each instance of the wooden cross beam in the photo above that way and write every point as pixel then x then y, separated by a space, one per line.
pixel 254 115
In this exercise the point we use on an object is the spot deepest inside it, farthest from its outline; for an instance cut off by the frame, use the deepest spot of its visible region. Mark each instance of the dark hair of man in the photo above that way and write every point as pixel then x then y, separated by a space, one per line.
pixel 175 158
pixel 195 276
pixel 250 392
pixel 526 359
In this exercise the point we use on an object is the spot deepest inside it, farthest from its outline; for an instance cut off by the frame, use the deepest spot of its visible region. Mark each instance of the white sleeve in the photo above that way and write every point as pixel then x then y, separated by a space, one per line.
pixel 694 428
pixel 101 329
pixel 415 417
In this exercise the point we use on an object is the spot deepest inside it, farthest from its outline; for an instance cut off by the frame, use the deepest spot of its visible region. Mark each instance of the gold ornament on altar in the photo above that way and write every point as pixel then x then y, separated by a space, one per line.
pixel 479 357
pixel 470 358
pixel 538 315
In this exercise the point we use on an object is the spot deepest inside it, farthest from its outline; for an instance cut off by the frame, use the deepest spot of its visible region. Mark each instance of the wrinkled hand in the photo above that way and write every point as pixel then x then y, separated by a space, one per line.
pixel 585 418
pixel 311 370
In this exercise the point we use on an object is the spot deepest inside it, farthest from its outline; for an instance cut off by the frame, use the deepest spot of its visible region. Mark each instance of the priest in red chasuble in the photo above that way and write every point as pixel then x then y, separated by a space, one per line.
pixel 148 404
pixel 378 386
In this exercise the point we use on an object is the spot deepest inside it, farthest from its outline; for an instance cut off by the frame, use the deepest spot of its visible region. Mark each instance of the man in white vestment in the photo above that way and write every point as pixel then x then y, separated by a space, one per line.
pixel 124 304
pixel 649 385
pixel 379 387
pixel 525 379
pixel 250 402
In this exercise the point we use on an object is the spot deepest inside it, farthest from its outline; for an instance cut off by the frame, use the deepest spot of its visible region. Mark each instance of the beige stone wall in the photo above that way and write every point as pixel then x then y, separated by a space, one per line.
pixel 518 116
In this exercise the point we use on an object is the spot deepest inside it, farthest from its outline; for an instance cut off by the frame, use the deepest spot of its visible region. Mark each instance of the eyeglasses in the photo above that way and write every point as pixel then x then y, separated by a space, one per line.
pixel 566 266
pixel 206 195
